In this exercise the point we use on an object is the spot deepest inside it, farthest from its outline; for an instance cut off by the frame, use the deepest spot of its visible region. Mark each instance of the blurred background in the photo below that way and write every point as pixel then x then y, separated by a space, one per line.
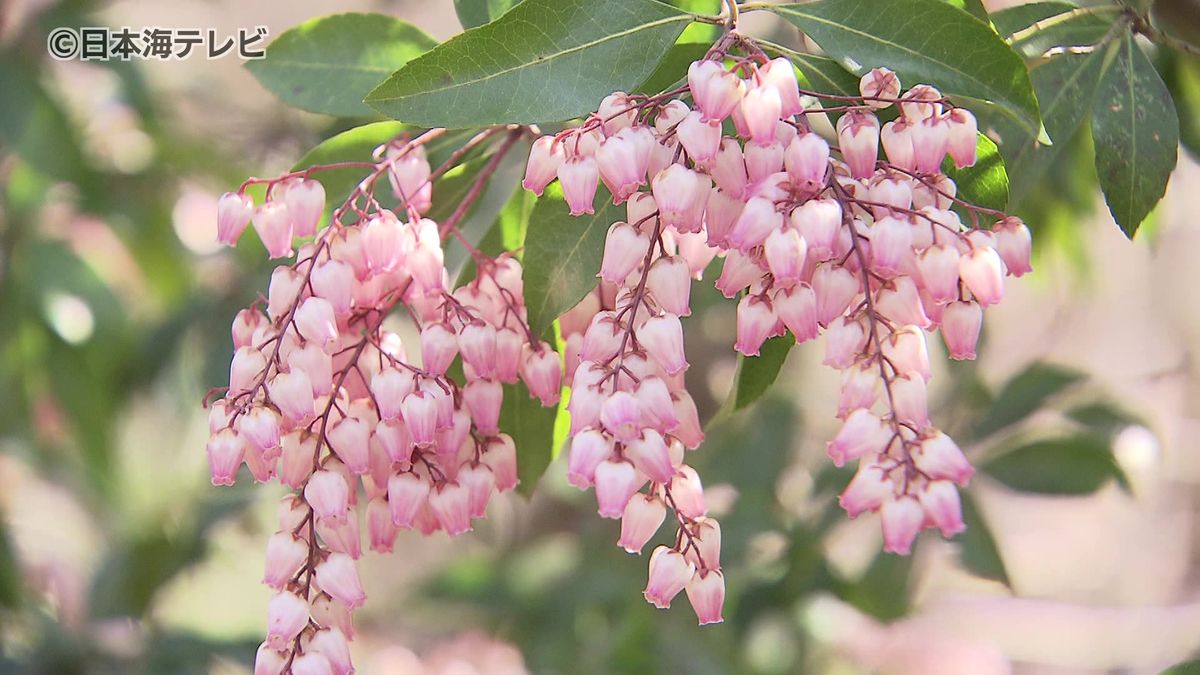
pixel 117 556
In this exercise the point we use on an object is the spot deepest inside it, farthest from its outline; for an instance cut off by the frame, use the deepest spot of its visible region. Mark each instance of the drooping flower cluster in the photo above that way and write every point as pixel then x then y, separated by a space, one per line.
pixel 324 398
pixel 815 238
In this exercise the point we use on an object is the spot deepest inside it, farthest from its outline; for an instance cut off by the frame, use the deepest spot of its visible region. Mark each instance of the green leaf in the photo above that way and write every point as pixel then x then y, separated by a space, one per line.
pixel 327 65
pixel 986 182
pixel 34 126
pixel 1071 465
pixel 532 429
pixel 1182 75
pixel 563 254
pixel 1185 668
pixel 353 145
pixel 973 7
pixel 756 374
pixel 1066 86
pixel 673 67
pixel 472 13
pixel 923 41
pixel 1136 135
pixel 1023 395
pixel 1101 417
pixel 977 547
pixel 1034 28
pixel 546 60
pixel 10 578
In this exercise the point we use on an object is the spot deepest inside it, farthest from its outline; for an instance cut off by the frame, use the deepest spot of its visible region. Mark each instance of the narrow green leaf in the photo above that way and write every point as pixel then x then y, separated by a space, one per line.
pixel 1034 28
pixel 546 60
pixel 977 547
pixel 327 65
pixel 1101 417
pixel 532 429
pixel 1071 465
pixel 1066 86
pixel 1182 76
pixel 756 374
pixel 472 13
pixel 353 145
pixel 1136 135
pixel 923 41
pixel 563 254
pixel 1024 394
pixel 10 578
pixel 986 182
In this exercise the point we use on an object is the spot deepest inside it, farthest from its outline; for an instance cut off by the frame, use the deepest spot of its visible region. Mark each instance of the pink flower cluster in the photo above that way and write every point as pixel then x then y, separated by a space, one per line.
pixel 329 402
pixel 815 238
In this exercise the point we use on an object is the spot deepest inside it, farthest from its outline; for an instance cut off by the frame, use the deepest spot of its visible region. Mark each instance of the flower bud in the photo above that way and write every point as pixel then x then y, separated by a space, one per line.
pixel 879 83
pixel 283 291
pixel 338 577
pixel 729 168
pixel 982 272
pixel 273 224
pixel 293 394
pixel 681 195
pixel 706 593
pixel 737 272
pixel 785 250
pixel 757 220
pixel 760 110
pixel 902 519
pixel 327 494
pixel 624 248
pixel 858 137
pixel 483 399
pixel 234 210
pixel 407 495
pixel 477 342
pixel 900 302
pixel 962 137
pixel 331 643
pixel 451 505
pixel 715 90
pixel 818 221
pixel 943 507
pixel 687 492
pixel 588 449
pixel 334 281
pixel 420 412
pixel 669 573
pixel 897 140
pixel 287 615
pixel 701 140
pixel 1013 243
pixel 267 661
pixel 866 491
pixel 910 400
pixel 649 455
pixel 756 321
pixel 941 459
pixel 780 75
pixel 863 433
pixel 480 482
pixel 579 177
pixel 616 112
pixel 544 159
pixel 806 159
pixel 542 373
pixel 225 449
pixel 906 351
pixel 621 416
pixel 312 664
pixel 305 199
pixel 835 287
pixel 622 161
pixel 961 322
pixel 658 409
pixel 662 337
pixel 797 309
pixel 644 514
pixel 616 482
pixel 860 388
pixel 349 439
pixel 315 321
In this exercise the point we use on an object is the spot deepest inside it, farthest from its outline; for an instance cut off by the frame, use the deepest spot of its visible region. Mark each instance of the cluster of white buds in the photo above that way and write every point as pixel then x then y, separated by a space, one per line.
pixel 814 238
pixel 325 399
